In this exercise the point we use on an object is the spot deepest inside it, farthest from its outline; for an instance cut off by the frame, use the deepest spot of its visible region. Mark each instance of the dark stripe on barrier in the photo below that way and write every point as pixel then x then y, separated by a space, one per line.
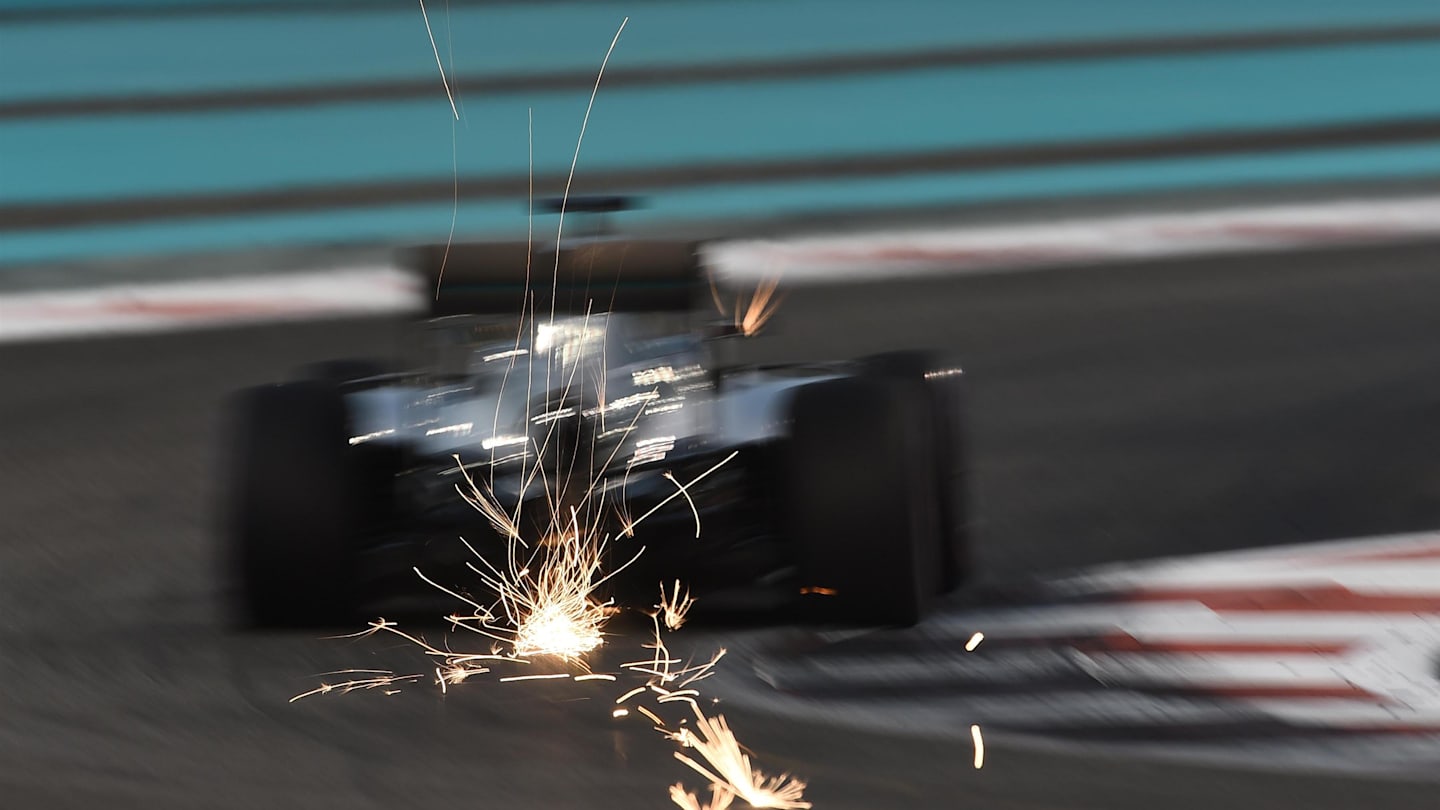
pixel 23 216
pixel 814 67
pixel 40 13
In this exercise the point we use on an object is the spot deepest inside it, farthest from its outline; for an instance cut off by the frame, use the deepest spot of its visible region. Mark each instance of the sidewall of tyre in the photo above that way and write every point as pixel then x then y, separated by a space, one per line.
pixel 294 506
pixel 944 394
pixel 343 370
pixel 859 501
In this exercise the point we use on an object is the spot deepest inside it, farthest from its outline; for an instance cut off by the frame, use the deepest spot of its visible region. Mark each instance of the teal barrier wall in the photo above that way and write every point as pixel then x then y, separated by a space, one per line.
pixel 149 126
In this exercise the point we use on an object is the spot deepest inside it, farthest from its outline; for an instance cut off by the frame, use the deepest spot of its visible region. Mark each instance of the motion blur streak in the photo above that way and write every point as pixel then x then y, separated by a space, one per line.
pixel 1192 382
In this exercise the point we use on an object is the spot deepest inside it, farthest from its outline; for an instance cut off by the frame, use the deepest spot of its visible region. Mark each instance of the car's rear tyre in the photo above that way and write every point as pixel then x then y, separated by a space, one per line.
pixel 343 370
pixel 942 387
pixel 295 506
pixel 859 504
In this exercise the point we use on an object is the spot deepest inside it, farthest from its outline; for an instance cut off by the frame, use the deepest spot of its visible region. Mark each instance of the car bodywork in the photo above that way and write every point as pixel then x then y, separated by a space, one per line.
pixel 598 395
pixel 613 407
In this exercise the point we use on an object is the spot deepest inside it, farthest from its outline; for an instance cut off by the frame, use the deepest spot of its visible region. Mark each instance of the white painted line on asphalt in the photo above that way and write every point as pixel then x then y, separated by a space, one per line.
pixel 942 251
pixel 1401 576
pixel 1349 559
pixel 152 307
pixel 1166 669
pixel 160 307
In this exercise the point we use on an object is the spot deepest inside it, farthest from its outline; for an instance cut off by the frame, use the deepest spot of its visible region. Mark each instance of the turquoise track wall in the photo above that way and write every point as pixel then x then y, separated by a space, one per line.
pixel 157 126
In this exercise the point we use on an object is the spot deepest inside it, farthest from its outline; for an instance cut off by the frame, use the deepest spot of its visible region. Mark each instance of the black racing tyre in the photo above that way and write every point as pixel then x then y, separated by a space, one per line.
pixel 858 503
pixel 342 371
pixel 294 506
pixel 943 388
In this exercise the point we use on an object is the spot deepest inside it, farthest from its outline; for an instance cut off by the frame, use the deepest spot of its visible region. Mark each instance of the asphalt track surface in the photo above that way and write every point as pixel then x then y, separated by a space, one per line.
pixel 1123 412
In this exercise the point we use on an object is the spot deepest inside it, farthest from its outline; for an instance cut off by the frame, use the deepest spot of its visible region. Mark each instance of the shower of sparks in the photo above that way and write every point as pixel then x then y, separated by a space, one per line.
pixel 758 308
pixel 575 161
pixel 547 597
pixel 730 770
pixel 674 606
pixel 720 798
pixel 661 667
pixel 548 600
pixel 545 616
pixel 454 145
pixel 377 679
pixel 483 500
pixel 545 606
pixel 682 489
pixel 753 309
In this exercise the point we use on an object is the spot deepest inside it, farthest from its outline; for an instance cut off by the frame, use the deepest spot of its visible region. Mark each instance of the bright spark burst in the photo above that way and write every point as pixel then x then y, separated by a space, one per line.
pixel 545 607
pixel 550 603
pixel 661 667
pixel 730 770
pixel 545 604
pixel 758 308
pixel 482 499
pixel 979 742
pixel 720 798
pixel 674 606
pixel 974 642
pixel 753 309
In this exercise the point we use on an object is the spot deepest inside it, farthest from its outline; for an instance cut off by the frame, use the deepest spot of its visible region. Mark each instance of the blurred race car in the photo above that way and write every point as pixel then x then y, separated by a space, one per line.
pixel 843 496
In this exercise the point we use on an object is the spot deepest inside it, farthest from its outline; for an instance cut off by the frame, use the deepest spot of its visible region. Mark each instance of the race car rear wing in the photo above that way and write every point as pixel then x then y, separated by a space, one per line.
pixel 505 278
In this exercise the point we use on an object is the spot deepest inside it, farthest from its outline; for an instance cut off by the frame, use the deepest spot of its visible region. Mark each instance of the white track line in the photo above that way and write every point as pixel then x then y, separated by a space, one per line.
pixel 841 258
pixel 1367 671
pixel 939 251
pixel 161 307
pixel 1362 564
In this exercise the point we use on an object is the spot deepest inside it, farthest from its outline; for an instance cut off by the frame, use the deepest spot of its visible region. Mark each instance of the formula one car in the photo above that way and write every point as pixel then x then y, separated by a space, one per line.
pixel 843 496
